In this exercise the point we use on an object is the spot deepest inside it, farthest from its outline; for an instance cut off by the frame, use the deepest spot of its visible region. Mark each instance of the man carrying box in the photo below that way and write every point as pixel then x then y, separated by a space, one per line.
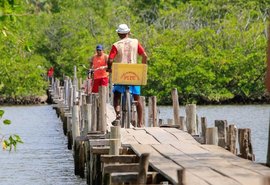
pixel 126 50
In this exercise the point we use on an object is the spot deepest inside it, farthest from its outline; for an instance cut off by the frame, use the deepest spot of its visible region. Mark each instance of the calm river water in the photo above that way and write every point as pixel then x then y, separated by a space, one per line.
pixel 44 159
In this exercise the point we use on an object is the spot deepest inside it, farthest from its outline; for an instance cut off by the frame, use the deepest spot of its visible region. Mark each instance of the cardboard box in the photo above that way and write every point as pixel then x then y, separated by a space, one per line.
pixel 129 74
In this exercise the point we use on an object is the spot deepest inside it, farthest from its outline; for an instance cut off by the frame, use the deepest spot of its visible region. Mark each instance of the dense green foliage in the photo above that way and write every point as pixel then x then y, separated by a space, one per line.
pixel 210 50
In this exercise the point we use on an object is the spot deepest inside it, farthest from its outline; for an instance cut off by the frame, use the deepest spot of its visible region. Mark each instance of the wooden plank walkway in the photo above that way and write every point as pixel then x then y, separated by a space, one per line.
pixel 172 149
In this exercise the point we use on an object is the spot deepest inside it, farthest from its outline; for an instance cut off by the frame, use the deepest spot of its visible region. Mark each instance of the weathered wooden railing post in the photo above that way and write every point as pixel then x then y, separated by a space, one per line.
pixel 142 101
pixel 245 146
pixel 232 135
pixel 212 136
pixel 115 140
pixel 150 113
pixel 87 116
pixel 144 162
pixel 191 119
pixel 102 126
pixel 204 126
pixel 222 132
pixel 154 110
pixel 176 108
pixel 94 112
pixel 181 176
pixel 183 122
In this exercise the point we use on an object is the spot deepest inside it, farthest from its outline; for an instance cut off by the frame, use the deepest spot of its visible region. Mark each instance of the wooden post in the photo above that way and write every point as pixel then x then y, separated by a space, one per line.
pixel 115 140
pixel 75 122
pixel 232 135
pixel 176 108
pixel 150 116
pixel 183 123
pixel 142 101
pixel 204 126
pixel 222 134
pixel 154 110
pixel 244 137
pixel 144 162
pixel 88 117
pixel 191 119
pixel 212 136
pixel 102 109
pixel 94 113
pixel 181 176
pixel 79 158
pixel 69 133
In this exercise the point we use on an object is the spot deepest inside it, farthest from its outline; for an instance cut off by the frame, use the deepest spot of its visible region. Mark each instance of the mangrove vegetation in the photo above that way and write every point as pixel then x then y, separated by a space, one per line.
pixel 212 51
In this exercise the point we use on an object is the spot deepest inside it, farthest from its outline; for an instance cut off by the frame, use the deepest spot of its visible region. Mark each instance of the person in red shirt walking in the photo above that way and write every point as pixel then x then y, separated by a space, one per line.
pixel 99 64
pixel 50 74
pixel 126 50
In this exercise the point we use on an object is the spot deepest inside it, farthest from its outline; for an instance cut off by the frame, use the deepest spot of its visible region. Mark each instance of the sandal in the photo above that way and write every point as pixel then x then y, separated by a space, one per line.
pixel 116 122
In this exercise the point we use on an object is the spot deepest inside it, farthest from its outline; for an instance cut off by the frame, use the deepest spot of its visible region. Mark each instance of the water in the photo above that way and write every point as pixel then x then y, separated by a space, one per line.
pixel 255 117
pixel 43 159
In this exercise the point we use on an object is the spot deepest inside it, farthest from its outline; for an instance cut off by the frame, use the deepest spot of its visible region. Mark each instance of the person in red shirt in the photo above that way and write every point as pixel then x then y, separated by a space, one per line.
pixel 50 74
pixel 99 64
pixel 126 50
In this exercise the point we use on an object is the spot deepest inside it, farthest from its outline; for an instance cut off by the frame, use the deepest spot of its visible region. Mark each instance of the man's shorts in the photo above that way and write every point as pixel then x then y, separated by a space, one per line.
pixel 133 89
pixel 99 82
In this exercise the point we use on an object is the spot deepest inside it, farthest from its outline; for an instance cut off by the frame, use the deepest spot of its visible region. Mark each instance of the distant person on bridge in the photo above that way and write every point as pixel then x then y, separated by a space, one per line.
pixel 126 50
pixel 99 64
pixel 50 74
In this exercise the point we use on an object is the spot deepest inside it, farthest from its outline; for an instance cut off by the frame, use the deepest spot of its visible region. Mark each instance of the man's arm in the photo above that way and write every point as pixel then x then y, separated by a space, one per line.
pixel 112 55
pixel 144 58
pixel 90 63
pixel 109 63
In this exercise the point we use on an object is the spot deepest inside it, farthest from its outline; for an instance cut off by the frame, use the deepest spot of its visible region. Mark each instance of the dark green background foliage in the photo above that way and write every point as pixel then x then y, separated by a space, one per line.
pixel 211 51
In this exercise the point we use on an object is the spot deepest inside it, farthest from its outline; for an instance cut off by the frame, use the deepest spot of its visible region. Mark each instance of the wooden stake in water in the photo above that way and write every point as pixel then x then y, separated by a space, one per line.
pixel 191 119
pixel 212 136
pixel 176 108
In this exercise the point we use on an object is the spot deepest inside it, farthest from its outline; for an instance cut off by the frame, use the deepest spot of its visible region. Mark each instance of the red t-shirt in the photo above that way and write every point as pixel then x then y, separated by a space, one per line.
pixel 113 51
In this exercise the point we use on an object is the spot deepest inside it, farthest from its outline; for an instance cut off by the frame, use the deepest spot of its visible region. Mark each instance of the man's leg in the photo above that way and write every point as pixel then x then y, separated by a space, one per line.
pixel 116 103
pixel 139 109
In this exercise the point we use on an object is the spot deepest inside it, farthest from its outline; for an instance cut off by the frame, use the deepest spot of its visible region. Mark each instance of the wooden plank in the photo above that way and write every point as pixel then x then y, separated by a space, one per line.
pixel 111 168
pixel 119 158
pixel 161 135
pixel 182 136
pixel 142 137
pixel 190 149
pixel 194 166
pixel 212 177
pixel 126 138
pixel 99 142
pixel 165 166
pixel 158 162
pixel 243 176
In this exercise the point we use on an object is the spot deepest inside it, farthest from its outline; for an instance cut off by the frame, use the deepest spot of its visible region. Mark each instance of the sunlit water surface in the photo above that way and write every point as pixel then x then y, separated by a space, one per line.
pixel 43 159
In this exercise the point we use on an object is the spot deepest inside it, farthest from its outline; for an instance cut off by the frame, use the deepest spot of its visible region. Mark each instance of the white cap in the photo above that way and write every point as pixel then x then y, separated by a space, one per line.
pixel 123 29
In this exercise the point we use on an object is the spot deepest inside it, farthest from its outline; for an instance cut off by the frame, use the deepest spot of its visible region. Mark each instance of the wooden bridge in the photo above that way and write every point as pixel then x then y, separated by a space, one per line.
pixel 164 154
